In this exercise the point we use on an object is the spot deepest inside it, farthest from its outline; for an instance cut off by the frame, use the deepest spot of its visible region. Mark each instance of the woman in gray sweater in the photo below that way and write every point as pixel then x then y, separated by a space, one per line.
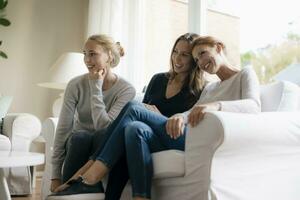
pixel 91 102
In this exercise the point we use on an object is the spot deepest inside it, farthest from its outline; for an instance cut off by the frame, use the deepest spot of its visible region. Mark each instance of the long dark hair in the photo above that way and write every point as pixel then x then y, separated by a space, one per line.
pixel 194 81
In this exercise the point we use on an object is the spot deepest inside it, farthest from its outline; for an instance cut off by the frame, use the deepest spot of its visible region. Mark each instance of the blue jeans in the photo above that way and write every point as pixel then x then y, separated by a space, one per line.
pixel 117 179
pixel 137 132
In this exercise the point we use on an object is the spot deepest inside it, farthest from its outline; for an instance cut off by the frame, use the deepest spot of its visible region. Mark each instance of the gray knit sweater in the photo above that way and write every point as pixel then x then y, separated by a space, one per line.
pixel 87 107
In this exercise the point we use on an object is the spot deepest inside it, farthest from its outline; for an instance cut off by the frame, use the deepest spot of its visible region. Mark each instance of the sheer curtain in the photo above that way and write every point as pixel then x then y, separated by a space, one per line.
pixel 123 20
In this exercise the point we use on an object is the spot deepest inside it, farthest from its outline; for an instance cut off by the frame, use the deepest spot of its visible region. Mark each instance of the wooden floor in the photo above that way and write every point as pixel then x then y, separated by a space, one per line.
pixel 36 195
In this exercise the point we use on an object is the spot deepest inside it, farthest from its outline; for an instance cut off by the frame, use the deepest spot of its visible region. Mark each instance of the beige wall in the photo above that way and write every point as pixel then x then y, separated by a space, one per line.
pixel 41 31
pixel 165 21
pixel 226 28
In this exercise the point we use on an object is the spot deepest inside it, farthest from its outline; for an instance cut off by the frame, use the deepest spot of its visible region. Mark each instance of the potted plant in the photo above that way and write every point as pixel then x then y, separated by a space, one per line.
pixel 3 22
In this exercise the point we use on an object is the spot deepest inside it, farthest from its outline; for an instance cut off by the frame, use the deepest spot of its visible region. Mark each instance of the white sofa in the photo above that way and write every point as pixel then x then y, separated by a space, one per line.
pixel 229 155
pixel 19 130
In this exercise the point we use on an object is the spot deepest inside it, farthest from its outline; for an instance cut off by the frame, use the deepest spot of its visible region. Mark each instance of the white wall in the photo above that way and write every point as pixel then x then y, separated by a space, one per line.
pixel 41 31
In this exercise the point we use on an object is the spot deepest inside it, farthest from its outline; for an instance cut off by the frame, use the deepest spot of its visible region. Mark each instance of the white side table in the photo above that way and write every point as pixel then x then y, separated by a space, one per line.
pixel 16 159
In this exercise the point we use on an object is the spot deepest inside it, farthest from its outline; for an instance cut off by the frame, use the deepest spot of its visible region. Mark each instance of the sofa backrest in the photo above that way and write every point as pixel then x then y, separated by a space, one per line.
pixel 280 96
pixel 277 96
pixel 139 96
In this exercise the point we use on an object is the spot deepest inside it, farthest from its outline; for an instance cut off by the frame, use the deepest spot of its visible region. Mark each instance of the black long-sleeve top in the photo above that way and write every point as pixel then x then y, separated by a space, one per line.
pixel 156 95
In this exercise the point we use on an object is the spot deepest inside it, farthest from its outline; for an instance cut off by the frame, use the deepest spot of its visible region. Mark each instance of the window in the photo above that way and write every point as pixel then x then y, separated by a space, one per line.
pixel 269 33
pixel 165 21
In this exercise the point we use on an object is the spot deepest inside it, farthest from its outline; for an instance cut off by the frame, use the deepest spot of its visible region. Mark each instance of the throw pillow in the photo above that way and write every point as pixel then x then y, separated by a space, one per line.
pixel 280 96
pixel 290 97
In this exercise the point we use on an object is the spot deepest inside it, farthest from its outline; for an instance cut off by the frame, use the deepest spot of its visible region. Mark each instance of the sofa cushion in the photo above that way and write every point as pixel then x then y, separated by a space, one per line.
pixel 168 164
pixel 280 96
pixel 290 97
pixel 5 144
pixel 139 97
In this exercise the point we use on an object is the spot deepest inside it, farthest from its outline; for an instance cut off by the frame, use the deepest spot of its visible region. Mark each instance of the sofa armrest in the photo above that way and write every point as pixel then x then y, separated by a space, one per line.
pixel 249 152
pixel 4 143
pixel 201 143
pixel 21 129
pixel 250 133
pixel 48 132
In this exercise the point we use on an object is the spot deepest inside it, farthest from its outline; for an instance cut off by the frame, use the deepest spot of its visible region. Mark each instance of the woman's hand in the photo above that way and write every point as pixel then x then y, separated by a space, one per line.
pixel 152 108
pixel 198 112
pixel 175 126
pixel 54 184
pixel 97 74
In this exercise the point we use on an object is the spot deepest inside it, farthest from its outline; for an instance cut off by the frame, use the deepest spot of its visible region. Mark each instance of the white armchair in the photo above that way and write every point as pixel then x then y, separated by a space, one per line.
pixel 239 156
pixel 232 156
pixel 242 156
pixel 19 130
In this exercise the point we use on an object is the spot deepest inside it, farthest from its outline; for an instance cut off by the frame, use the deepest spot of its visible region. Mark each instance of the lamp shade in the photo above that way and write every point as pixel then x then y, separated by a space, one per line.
pixel 68 66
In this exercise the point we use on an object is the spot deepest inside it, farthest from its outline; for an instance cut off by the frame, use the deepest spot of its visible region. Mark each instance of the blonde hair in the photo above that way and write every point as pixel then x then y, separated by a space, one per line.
pixel 109 45
pixel 210 41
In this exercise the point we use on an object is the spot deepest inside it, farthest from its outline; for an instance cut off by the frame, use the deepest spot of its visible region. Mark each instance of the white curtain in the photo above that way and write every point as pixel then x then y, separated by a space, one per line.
pixel 124 21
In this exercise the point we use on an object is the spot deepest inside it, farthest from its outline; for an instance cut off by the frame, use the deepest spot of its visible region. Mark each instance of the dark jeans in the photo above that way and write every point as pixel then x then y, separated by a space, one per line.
pixel 137 132
pixel 79 147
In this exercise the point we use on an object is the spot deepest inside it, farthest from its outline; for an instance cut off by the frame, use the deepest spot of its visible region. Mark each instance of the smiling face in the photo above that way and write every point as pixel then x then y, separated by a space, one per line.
pixel 182 57
pixel 95 57
pixel 208 58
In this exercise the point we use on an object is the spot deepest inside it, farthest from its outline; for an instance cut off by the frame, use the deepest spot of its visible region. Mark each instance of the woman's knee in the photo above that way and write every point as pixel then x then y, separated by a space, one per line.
pixel 80 138
pixel 78 145
pixel 136 110
pixel 134 130
pixel 132 105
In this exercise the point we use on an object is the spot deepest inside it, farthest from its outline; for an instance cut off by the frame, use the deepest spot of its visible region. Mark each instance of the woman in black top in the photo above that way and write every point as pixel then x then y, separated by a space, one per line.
pixel 167 93
pixel 156 95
